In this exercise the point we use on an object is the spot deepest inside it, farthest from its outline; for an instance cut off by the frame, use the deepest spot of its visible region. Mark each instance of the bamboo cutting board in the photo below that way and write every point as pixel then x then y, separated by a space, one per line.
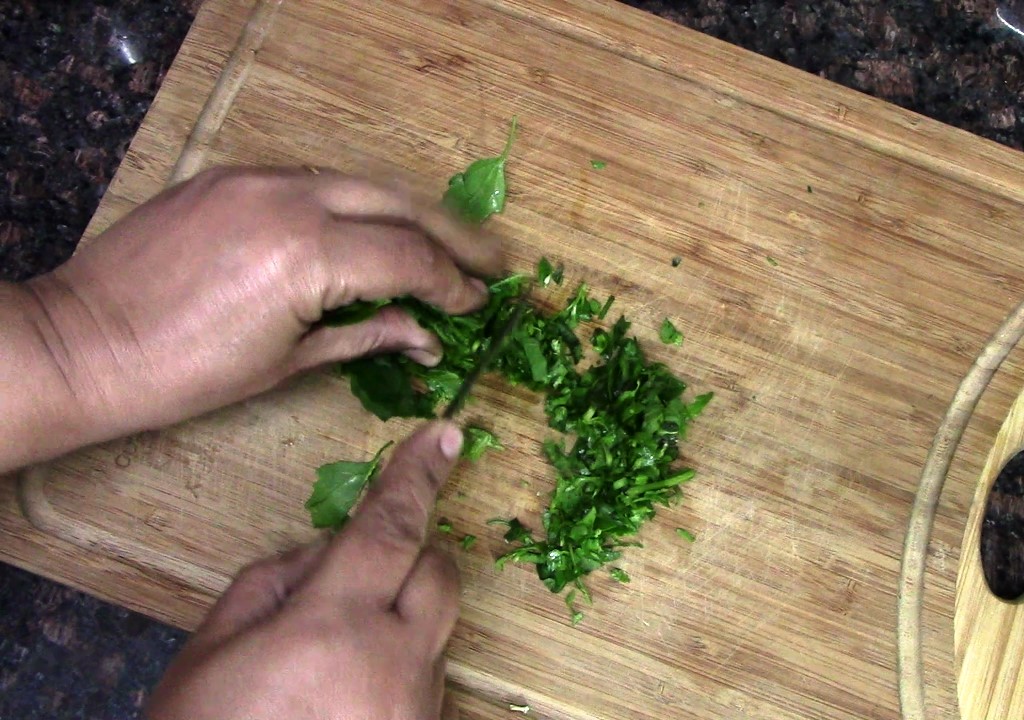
pixel 898 250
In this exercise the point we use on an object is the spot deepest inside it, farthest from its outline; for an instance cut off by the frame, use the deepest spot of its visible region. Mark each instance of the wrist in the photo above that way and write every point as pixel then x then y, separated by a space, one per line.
pixel 50 405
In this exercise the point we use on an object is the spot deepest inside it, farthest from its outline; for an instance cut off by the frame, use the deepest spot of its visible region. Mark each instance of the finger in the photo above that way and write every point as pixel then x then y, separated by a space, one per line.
pixel 472 249
pixel 371 558
pixel 430 598
pixel 389 330
pixel 390 261
pixel 257 593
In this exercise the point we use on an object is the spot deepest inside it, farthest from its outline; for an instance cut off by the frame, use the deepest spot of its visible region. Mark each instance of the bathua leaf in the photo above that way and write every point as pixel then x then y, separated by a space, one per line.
pixel 338 486
pixel 385 388
pixel 479 192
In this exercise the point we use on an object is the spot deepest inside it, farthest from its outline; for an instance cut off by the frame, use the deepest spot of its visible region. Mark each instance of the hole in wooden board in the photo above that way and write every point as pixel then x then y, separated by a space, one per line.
pixel 1002 532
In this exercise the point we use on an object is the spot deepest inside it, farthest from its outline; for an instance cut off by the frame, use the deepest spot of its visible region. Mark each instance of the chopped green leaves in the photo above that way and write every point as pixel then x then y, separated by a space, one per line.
pixel 478 441
pixel 479 191
pixel 771 261
pixel 669 334
pixel 598 164
pixel 619 419
pixel 547 274
pixel 676 261
pixel 338 487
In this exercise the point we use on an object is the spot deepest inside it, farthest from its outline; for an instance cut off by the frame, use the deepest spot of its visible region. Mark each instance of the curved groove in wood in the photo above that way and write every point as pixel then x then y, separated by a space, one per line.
pixel 910 669
pixel 229 84
pixel 38 510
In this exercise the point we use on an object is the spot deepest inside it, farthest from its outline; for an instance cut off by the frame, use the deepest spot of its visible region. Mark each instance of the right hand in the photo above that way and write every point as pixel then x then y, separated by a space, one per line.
pixel 354 629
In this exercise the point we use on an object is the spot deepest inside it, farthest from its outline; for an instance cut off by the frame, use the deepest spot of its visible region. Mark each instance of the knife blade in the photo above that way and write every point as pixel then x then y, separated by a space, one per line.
pixel 492 352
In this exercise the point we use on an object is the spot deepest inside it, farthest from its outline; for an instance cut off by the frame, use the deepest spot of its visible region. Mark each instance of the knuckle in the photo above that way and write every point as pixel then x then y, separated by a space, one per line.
pixel 259 573
pixel 441 571
pixel 393 519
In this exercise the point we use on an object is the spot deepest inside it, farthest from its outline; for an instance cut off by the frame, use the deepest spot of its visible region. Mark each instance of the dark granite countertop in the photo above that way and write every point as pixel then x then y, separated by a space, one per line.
pixel 76 80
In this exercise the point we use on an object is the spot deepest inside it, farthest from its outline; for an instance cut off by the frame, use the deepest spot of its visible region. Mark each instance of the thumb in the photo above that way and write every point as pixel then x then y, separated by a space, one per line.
pixel 390 330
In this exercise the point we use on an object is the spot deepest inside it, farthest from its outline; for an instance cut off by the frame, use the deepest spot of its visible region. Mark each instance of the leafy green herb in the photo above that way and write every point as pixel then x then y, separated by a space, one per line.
pixel 676 261
pixel 478 441
pixel 577 618
pixel 384 387
pixel 468 541
pixel 338 487
pixel 772 261
pixel 669 335
pixel 685 534
pixel 699 403
pixel 598 164
pixel 547 274
pixel 444 526
pixel 620 575
pixel 810 189
pixel 479 191
pixel 619 418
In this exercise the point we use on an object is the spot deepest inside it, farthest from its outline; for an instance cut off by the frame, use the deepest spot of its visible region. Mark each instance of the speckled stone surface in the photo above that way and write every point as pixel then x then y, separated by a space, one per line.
pixel 76 80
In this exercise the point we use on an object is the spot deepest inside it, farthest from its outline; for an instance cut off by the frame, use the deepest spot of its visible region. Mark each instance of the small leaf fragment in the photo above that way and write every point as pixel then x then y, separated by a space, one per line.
pixel 620 575
pixel 598 164
pixel 467 542
pixel 444 526
pixel 686 534
pixel 771 261
pixel 676 261
pixel 669 334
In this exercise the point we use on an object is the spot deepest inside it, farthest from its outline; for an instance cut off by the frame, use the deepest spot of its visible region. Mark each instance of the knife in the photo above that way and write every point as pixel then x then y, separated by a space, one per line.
pixel 492 352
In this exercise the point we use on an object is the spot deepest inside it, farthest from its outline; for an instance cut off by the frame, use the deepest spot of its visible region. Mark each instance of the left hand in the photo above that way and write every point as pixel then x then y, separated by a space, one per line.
pixel 210 293
pixel 352 630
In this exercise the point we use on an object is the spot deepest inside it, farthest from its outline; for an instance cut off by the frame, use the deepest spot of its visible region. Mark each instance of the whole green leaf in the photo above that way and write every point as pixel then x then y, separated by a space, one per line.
pixel 479 191
pixel 338 487
pixel 477 442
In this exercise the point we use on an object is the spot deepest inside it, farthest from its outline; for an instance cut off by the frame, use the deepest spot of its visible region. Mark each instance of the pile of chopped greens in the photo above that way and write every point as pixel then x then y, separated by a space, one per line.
pixel 621 417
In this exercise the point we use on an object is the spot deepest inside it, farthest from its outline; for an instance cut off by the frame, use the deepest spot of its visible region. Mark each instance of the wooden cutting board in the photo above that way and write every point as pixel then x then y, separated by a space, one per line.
pixel 898 250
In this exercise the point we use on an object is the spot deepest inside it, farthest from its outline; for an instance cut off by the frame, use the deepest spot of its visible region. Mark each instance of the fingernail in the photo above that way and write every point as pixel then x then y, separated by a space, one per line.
pixel 479 284
pixel 451 441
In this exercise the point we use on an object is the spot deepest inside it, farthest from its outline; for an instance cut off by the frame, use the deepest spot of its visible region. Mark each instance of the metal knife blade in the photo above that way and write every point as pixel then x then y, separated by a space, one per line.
pixel 492 352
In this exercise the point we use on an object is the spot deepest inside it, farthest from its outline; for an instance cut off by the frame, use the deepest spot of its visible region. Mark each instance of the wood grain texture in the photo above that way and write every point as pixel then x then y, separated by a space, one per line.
pixel 898 247
pixel 989 632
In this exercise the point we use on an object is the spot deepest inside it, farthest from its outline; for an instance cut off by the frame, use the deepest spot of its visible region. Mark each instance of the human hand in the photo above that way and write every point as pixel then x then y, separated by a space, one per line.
pixel 351 630
pixel 209 293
